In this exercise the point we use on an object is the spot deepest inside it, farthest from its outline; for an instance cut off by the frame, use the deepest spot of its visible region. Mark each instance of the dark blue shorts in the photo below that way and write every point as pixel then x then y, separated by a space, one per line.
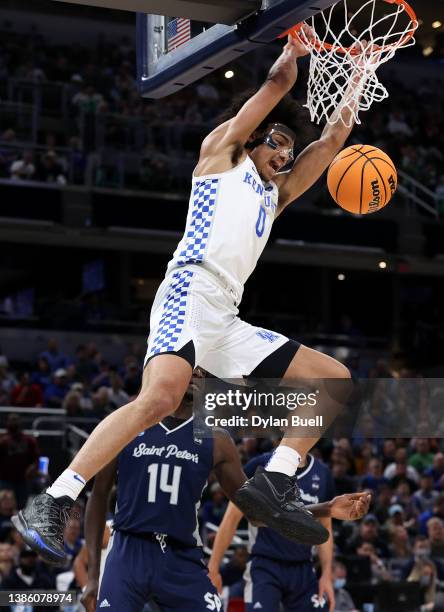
pixel 136 571
pixel 268 584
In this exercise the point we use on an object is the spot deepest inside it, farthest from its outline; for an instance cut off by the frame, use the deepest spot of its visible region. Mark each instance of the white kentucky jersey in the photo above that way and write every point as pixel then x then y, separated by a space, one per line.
pixel 228 224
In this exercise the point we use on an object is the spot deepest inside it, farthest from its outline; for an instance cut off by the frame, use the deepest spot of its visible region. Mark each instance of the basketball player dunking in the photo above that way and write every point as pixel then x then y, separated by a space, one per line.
pixel 236 195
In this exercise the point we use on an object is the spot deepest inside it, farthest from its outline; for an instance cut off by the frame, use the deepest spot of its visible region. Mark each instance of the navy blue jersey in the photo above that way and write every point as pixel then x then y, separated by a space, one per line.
pixel 316 484
pixel 161 476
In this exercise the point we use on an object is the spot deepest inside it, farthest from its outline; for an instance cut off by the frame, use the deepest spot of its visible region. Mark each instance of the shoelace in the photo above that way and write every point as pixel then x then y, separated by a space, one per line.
pixel 53 519
pixel 293 496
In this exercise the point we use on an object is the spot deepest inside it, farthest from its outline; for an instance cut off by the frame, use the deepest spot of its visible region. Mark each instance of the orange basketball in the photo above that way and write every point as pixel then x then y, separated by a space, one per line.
pixel 362 179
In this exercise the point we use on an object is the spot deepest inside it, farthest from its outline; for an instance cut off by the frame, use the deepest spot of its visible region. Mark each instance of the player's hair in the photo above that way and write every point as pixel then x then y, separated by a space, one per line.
pixel 287 111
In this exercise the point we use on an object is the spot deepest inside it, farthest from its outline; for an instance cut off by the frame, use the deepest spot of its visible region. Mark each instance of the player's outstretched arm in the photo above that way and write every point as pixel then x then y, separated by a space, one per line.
pixel 95 519
pixel 224 537
pixel 316 158
pixel 348 507
pixel 237 131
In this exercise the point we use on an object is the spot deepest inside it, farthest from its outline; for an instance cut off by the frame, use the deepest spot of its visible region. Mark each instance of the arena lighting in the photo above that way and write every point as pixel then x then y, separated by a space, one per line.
pixel 229 74
pixel 382 265
pixel 427 51
pixel 341 277
pixel 436 24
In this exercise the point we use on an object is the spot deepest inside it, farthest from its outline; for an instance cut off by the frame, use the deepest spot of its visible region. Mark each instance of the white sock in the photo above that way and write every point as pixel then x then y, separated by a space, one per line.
pixel 68 483
pixel 284 460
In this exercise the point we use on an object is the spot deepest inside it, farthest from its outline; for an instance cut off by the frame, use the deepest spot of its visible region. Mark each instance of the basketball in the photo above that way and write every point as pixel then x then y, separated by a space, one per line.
pixel 362 179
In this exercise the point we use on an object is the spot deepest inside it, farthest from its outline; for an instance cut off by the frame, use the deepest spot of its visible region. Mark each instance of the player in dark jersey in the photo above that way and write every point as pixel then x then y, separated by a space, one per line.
pixel 156 550
pixel 280 571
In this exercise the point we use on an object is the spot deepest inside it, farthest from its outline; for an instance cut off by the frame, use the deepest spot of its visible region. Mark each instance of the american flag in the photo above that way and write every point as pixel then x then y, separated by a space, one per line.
pixel 178 32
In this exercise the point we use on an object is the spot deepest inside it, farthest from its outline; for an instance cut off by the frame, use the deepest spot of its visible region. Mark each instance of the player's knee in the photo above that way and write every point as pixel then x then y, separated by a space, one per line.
pixel 155 405
pixel 340 371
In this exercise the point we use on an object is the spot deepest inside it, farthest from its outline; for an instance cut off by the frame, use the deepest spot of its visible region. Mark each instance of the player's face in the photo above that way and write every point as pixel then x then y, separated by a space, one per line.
pixel 271 157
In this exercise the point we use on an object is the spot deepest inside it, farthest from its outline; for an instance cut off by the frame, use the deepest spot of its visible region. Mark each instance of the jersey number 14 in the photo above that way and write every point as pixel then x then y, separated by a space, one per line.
pixel 164 483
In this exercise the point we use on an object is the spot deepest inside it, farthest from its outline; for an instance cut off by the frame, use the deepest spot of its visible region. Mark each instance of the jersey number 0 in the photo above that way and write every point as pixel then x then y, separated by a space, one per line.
pixel 162 483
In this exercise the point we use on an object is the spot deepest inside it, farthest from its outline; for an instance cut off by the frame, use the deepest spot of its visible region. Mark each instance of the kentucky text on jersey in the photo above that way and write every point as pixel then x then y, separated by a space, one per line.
pixel 260 190
pixel 229 221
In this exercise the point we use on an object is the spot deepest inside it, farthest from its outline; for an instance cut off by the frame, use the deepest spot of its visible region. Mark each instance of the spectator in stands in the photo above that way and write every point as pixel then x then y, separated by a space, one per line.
pixel 101 403
pixel 343 482
pixel 6 561
pixel 26 394
pixel 23 169
pixel 49 169
pixel 435 532
pixel 42 375
pixel 8 507
pixel 424 572
pixel 7 382
pixel 86 365
pixel 132 379
pixel 72 404
pixel 86 402
pixel 403 496
pixel 383 502
pixel 398 125
pixel 55 358
pixel 422 459
pixel 117 396
pixel 399 546
pixel 378 567
pixel 424 499
pixel 374 477
pixel 437 470
pixel 437 511
pixel 388 452
pixel 56 391
pixel 73 541
pixel 18 459
pixel 343 600
pixel 400 470
pixel 102 379
pixel 28 576
pixel 88 100
pixel 369 532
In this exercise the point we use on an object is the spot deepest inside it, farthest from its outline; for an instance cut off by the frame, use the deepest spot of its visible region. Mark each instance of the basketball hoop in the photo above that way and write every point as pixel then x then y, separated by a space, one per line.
pixel 343 65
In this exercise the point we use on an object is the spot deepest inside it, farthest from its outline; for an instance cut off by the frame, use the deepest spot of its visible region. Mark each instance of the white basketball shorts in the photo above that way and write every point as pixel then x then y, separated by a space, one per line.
pixel 192 306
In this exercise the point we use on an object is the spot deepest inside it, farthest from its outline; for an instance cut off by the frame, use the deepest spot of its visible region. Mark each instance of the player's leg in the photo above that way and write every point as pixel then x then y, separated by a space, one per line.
pixel 263 585
pixel 182 583
pixel 332 382
pixel 271 496
pixel 302 593
pixel 125 576
pixel 165 380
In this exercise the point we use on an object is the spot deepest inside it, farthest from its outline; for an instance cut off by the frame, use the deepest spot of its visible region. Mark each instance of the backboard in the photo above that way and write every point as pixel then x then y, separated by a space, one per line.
pixel 175 52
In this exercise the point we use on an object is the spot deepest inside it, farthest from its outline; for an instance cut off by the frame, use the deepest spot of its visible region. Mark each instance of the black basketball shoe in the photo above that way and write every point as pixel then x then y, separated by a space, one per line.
pixel 41 525
pixel 274 499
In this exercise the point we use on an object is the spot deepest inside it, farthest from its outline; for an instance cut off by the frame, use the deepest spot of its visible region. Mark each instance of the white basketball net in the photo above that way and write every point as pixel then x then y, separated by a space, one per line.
pixel 343 75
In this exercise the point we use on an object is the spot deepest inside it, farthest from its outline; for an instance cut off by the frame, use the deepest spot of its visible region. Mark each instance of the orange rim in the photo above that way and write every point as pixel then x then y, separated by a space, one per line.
pixel 294 31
